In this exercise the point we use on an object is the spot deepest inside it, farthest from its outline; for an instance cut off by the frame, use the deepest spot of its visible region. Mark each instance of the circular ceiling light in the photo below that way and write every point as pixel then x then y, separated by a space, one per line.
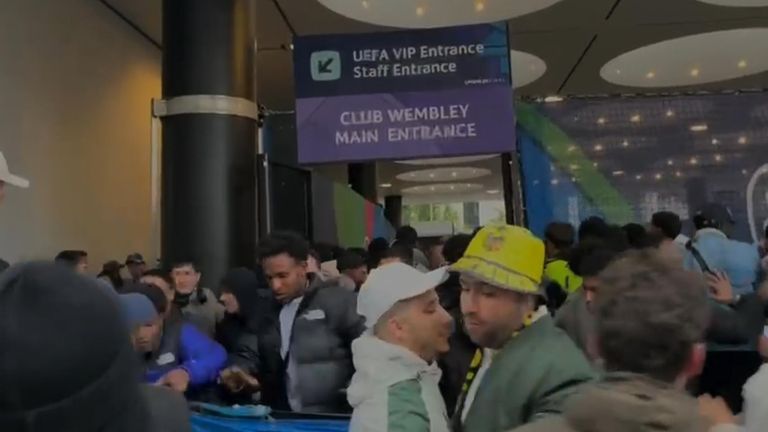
pixel 446 161
pixel 443 174
pixel 443 188
pixel 526 68
pixel 426 14
pixel 691 60
pixel 737 3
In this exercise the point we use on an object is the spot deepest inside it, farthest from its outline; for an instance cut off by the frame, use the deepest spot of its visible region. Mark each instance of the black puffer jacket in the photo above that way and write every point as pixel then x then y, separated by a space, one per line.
pixel 326 324
pixel 238 333
pixel 455 363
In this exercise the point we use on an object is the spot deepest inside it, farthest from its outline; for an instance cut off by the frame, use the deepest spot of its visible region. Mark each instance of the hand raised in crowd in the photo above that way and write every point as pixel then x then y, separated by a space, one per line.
pixel 716 411
pixel 762 291
pixel 720 287
pixel 177 380
pixel 762 346
pixel 237 380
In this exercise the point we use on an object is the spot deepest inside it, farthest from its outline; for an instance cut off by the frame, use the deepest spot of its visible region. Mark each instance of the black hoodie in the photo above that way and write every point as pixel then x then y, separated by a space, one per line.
pixel 238 332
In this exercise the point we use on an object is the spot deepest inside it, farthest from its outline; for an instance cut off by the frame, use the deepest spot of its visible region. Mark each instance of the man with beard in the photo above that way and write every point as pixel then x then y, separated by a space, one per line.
pixel 527 367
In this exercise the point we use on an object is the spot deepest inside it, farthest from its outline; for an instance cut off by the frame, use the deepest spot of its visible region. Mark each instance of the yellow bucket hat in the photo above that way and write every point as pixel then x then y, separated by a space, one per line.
pixel 505 256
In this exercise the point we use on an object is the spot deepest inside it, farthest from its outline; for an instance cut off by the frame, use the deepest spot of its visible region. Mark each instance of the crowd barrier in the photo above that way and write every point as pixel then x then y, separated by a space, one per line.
pixel 209 418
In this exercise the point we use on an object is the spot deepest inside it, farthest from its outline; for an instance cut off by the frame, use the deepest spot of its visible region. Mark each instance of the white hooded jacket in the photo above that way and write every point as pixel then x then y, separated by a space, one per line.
pixel 394 390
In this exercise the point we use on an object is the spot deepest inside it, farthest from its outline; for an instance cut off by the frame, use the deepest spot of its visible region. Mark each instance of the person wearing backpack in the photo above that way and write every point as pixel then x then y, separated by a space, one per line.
pixel 721 259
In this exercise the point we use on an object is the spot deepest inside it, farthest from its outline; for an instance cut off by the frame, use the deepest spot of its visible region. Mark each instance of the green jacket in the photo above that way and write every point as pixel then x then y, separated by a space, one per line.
pixel 530 377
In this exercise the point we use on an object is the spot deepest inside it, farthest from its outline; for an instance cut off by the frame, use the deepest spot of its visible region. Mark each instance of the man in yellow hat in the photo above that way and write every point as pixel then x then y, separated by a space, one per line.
pixel 527 368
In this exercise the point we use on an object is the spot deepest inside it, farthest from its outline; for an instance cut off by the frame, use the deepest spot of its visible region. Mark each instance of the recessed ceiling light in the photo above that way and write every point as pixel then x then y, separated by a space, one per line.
pixel 601 121
pixel 445 161
pixel 678 174
pixel 526 67
pixel 699 127
pixel 635 118
pixel 639 177
pixel 492 191
pixel 691 60
pixel 693 161
pixel 399 13
pixel 718 158
pixel 618 173
pixel 453 174
pixel 670 113
pixel 386 185
pixel 453 187
pixel 745 172
pixel 742 140
pixel 737 3
pixel 420 11
pixel 479 6
pixel 715 141
pixel 658 176
pixel 625 144
pixel 598 147
pixel 670 162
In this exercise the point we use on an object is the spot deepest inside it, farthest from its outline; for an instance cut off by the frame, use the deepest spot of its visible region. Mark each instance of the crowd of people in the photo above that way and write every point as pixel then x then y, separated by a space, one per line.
pixel 591 329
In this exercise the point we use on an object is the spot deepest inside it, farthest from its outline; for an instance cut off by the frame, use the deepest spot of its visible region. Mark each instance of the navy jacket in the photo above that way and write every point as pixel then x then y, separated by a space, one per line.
pixel 184 346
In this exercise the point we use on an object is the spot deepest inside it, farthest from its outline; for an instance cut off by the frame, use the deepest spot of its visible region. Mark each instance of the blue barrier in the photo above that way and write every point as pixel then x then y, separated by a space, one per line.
pixel 206 423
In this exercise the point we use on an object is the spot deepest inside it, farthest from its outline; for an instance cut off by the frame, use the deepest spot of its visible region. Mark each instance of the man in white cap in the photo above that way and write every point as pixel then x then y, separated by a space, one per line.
pixel 395 386
pixel 7 178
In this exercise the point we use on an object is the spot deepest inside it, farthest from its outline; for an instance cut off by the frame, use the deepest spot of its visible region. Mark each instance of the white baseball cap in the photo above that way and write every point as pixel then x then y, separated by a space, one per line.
pixel 6 176
pixel 392 283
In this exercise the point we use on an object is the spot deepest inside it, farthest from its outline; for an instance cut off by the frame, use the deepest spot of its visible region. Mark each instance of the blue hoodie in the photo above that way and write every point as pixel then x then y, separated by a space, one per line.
pixel 739 260
pixel 189 349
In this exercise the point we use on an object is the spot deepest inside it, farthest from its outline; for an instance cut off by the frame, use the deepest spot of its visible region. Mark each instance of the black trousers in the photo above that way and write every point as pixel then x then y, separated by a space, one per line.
pixel 725 374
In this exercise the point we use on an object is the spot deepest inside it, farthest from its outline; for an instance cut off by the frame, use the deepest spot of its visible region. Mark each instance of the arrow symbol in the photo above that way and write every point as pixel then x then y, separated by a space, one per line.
pixel 324 66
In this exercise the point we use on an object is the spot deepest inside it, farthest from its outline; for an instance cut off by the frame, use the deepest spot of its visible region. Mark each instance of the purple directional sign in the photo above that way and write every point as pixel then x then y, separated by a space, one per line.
pixel 399 95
